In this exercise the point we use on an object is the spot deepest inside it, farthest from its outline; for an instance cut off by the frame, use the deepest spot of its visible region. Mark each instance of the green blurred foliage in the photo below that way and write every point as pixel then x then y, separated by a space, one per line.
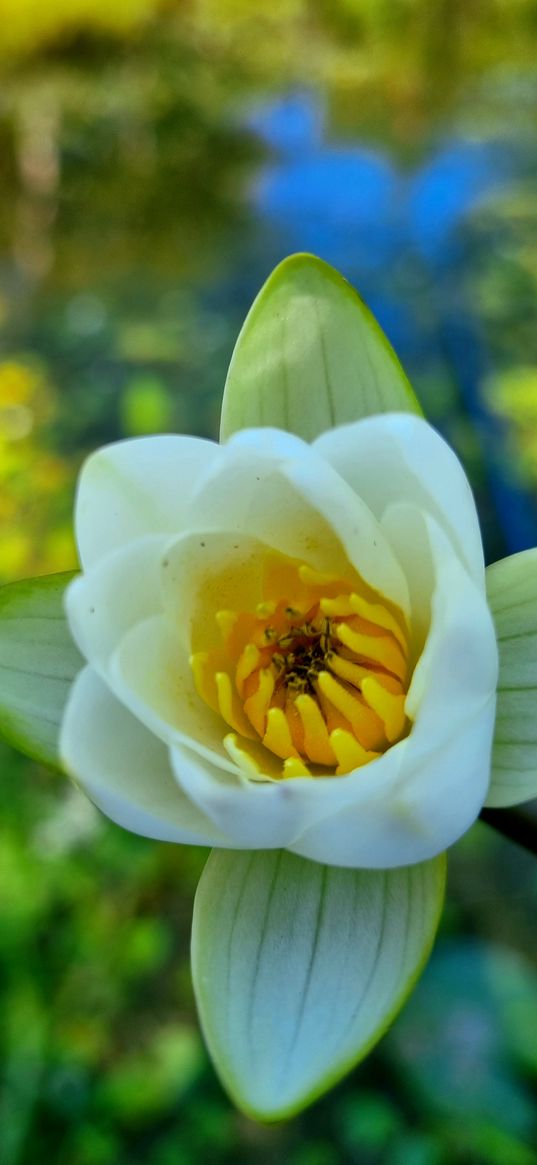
pixel 125 171
pixel 103 1063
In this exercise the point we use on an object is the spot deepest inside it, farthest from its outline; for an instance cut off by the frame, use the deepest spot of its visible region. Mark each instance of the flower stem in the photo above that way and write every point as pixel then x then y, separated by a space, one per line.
pixel 519 824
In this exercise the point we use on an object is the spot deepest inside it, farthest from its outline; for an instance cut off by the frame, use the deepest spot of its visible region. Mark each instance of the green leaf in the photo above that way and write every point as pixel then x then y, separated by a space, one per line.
pixel 38 662
pixel 311 356
pixel 512 596
pixel 299 968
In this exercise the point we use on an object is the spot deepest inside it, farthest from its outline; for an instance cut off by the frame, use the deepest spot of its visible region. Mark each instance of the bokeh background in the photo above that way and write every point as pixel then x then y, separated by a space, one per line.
pixel 156 160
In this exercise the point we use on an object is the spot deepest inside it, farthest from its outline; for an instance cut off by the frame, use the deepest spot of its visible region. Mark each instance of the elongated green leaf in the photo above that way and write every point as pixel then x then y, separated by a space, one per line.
pixel 512 595
pixel 299 968
pixel 311 356
pixel 38 662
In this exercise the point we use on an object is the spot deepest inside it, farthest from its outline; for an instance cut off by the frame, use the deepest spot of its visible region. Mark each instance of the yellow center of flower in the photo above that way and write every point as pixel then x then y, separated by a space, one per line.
pixel 316 673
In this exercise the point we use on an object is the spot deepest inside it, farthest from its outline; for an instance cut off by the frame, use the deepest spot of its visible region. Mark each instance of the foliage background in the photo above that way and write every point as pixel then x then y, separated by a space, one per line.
pixel 156 160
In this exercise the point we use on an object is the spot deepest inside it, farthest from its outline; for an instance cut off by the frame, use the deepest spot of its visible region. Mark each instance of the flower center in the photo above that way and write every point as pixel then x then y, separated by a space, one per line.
pixel 317 673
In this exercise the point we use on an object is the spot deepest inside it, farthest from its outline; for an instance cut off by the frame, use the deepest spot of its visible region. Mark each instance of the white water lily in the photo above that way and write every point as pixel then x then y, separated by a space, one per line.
pixel 289 651
pixel 288 646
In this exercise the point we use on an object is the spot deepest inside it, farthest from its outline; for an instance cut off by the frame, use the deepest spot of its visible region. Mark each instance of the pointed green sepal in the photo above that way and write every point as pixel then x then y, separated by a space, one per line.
pixel 311 356
pixel 299 968
pixel 38 662
pixel 512 596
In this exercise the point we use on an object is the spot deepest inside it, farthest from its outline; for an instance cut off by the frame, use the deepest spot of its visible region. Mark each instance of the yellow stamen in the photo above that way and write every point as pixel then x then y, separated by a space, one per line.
pixel 378 613
pixel 349 752
pixel 248 662
pixel 379 649
pixel 316 739
pixel 315 578
pixel 229 705
pixel 390 708
pixel 265 610
pixel 240 755
pixel 353 673
pixel 278 735
pixel 365 723
pixel 337 608
pixel 313 673
pixel 256 706
pixel 204 678
pixel 295 768
pixel 226 622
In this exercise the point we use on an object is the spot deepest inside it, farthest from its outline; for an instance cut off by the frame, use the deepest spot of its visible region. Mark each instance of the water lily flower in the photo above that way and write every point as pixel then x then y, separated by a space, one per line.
pixel 290 650
pixel 292 642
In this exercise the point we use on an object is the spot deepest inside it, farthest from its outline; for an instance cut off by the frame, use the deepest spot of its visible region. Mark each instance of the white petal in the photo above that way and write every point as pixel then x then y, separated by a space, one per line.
pixel 189 566
pixel 137 487
pixel 274 444
pixel 120 591
pixel 400 457
pixel 247 494
pixel 437 797
pixel 357 528
pixel 298 968
pixel 457 673
pixel 150 674
pixel 253 814
pixel 276 814
pixel 300 506
pixel 125 770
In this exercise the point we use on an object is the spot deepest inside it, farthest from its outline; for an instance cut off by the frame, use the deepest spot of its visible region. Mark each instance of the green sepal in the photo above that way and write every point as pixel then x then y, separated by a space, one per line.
pixel 38 663
pixel 512 597
pixel 311 356
pixel 299 968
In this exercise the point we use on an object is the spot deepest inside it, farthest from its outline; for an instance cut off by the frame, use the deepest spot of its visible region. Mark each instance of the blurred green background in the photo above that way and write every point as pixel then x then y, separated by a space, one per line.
pixel 156 160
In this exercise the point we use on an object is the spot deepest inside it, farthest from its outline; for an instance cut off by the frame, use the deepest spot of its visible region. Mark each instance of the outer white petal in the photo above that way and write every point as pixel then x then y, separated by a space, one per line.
pixel 275 814
pixel 125 770
pixel 435 800
pixel 399 457
pixel 253 814
pixel 294 501
pixel 137 487
pixel 120 591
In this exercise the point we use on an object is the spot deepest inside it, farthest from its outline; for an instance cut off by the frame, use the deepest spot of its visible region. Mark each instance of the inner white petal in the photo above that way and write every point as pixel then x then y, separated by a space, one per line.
pixel 151 675
pixel 400 457
pixel 301 507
